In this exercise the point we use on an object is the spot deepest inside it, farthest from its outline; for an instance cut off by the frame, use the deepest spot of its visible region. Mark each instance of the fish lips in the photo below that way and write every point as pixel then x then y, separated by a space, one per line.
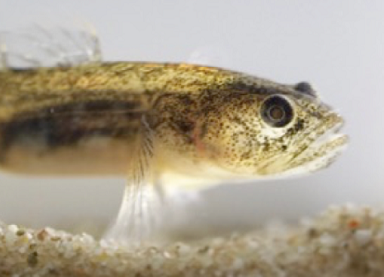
pixel 327 145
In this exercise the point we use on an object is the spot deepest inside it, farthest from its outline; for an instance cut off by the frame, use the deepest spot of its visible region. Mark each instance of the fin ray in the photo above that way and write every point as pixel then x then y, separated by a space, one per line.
pixel 48 46
pixel 138 217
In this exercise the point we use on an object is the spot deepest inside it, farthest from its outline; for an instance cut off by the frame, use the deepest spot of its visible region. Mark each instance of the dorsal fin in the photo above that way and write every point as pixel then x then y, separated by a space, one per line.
pixel 211 55
pixel 49 46
pixel 3 56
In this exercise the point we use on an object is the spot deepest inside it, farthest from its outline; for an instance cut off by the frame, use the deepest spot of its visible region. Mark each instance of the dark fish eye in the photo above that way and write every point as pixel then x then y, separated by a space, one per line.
pixel 277 111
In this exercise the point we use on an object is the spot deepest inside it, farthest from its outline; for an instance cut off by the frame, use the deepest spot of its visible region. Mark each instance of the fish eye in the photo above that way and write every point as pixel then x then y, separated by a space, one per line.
pixel 277 111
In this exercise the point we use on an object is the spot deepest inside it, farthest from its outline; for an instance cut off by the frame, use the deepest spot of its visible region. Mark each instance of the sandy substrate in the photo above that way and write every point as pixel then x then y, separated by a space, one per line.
pixel 343 241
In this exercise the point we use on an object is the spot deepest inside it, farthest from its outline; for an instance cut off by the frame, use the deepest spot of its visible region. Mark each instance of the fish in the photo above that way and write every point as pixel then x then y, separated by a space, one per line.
pixel 147 120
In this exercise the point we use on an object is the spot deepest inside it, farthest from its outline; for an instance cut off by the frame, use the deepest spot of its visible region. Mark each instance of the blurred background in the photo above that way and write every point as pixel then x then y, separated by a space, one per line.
pixel 336 45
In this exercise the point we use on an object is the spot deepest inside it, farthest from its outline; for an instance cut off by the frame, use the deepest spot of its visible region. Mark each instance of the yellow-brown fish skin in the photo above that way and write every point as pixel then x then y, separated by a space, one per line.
pixel 87 119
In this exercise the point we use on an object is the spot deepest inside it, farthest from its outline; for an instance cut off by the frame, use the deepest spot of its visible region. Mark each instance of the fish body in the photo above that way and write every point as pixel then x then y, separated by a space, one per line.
pixel 86 119
pixel 155 123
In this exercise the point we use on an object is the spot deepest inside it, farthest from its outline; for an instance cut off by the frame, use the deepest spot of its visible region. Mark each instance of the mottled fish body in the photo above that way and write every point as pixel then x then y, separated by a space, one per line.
pixel 150 120
pixel 85 119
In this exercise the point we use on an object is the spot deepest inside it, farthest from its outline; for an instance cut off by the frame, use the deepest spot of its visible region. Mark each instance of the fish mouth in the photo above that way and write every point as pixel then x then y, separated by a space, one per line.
pixel 322 145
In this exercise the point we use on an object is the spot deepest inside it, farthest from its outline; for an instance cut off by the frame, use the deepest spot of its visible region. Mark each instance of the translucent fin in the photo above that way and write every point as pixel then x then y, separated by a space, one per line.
pixel 3 55
pixel 140 211
pixel 48 46
pixel 210 55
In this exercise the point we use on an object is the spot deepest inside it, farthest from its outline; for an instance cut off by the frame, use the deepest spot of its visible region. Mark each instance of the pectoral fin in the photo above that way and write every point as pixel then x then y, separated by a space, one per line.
pixel 140 211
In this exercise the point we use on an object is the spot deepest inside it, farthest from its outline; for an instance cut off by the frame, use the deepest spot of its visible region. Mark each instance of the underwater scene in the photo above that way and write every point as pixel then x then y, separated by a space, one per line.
pixel 193 138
